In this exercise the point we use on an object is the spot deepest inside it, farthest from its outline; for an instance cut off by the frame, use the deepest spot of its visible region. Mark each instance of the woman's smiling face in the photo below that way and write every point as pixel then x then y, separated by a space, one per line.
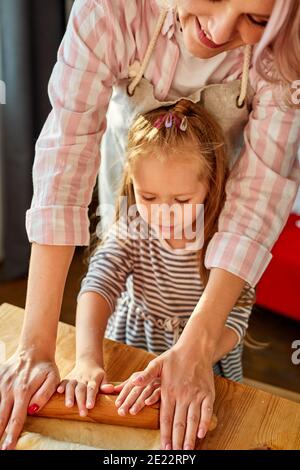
pixel 214 26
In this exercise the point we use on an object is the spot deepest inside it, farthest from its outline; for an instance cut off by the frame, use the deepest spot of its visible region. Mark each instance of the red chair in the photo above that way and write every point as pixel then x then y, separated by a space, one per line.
pixel 279 288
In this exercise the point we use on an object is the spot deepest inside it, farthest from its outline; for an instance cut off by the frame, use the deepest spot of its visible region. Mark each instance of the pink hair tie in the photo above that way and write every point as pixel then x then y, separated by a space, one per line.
pixel 159 122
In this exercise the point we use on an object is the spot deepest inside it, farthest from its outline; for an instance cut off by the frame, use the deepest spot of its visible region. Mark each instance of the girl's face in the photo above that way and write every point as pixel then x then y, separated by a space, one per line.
pixel 214 26
pixel 169 193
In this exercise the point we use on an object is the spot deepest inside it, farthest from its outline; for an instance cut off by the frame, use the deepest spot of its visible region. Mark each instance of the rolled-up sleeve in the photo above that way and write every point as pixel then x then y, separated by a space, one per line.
pixel 260 191
pixel 67 158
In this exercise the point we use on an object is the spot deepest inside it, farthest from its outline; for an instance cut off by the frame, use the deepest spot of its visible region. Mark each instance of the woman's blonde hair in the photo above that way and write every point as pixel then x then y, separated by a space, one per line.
pixel 277 56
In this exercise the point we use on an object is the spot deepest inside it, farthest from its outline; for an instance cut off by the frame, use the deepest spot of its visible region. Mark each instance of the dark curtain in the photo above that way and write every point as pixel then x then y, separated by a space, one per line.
pixel 31 31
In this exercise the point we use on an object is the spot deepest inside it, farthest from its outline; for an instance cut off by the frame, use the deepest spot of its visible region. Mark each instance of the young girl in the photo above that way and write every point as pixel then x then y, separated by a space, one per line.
pixel 147 275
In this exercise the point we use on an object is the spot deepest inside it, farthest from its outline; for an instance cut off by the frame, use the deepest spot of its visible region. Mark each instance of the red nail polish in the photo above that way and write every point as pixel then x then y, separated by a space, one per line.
pixel 33 409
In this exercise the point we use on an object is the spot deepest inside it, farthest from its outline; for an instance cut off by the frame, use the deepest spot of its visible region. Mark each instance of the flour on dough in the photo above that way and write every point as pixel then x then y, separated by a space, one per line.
pixel 33 441
pixel 100 436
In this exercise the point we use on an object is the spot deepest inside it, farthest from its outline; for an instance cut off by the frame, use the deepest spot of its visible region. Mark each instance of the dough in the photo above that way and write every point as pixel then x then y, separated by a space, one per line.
pixel 100 436
pixel 32 441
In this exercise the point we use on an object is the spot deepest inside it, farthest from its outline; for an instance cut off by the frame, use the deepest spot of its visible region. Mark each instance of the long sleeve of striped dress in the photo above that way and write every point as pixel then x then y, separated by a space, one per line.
pixel 152 290
pixel 103 38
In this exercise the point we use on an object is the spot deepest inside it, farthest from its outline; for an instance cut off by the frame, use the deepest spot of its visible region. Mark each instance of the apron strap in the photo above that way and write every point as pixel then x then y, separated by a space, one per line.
pixel 132 86
pixel 162 17
pixel 245 77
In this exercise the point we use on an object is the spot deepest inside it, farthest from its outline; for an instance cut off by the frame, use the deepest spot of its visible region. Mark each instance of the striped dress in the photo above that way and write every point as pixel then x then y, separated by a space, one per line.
pixel 152 290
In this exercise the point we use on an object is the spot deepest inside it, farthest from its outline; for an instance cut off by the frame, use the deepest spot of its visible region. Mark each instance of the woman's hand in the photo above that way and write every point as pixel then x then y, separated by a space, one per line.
pixel 187 396
pixel 133 398
pixel 27 381
pixel 83 384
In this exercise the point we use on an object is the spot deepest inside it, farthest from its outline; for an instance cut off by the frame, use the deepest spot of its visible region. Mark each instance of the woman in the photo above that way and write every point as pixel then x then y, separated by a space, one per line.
pixel 103 40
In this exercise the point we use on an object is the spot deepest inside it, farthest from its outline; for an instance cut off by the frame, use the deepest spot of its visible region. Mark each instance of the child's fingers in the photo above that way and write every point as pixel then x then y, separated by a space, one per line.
pixel 141 402
pixel 154 398
pixel 130 400
pixel 80 393
pixel 62 386
pixel 70 393
pixel 91 393
pixel 108 388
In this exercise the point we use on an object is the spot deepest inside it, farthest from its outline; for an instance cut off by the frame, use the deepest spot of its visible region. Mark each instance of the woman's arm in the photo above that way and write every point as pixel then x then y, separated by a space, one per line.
pixel 206 325
pixel 228 340
pixel 261 189
pixel 48 271
pixel 31 375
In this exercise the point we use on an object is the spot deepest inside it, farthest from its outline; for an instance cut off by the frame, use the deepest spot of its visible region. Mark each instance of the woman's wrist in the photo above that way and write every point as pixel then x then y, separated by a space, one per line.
pixel 198 345
pixel 202 333
pixel 37 349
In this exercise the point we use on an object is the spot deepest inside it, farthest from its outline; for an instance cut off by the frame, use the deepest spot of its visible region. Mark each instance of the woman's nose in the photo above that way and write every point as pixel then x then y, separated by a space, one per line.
pixel 223 28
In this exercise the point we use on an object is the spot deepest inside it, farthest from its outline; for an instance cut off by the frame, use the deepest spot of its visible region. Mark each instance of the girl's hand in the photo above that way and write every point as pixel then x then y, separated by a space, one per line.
pixel 187 395
pixel 83 384
pixel 27 381
pixel 133 398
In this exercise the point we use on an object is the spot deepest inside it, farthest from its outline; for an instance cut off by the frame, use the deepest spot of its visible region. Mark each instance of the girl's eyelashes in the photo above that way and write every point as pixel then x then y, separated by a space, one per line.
pixel 148 199
pixel 182 202
pixel 151 199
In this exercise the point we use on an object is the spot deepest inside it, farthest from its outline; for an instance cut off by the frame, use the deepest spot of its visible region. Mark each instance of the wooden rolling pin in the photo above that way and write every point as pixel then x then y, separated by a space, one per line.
pixel 105 412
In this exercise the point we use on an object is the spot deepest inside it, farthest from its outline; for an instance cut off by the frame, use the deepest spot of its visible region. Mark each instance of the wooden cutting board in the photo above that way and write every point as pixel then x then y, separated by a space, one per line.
pixel 248 418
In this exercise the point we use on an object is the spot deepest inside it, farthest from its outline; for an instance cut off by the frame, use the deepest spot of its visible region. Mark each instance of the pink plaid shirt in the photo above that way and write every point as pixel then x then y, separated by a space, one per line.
pixel 103 38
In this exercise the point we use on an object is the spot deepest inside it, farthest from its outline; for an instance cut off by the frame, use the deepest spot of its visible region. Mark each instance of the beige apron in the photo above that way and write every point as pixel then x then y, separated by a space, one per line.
pixel 229 103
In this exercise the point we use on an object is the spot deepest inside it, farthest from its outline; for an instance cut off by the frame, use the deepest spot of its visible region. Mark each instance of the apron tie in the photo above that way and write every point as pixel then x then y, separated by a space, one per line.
pixel 245 77
pixel 132 86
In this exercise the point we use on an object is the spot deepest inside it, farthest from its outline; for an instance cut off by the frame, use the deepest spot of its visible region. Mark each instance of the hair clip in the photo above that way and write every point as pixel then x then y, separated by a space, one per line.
pixel 184 124
pixel 169 119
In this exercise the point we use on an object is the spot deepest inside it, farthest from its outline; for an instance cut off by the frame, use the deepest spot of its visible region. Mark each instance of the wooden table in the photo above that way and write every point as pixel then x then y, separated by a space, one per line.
pixel 248 418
